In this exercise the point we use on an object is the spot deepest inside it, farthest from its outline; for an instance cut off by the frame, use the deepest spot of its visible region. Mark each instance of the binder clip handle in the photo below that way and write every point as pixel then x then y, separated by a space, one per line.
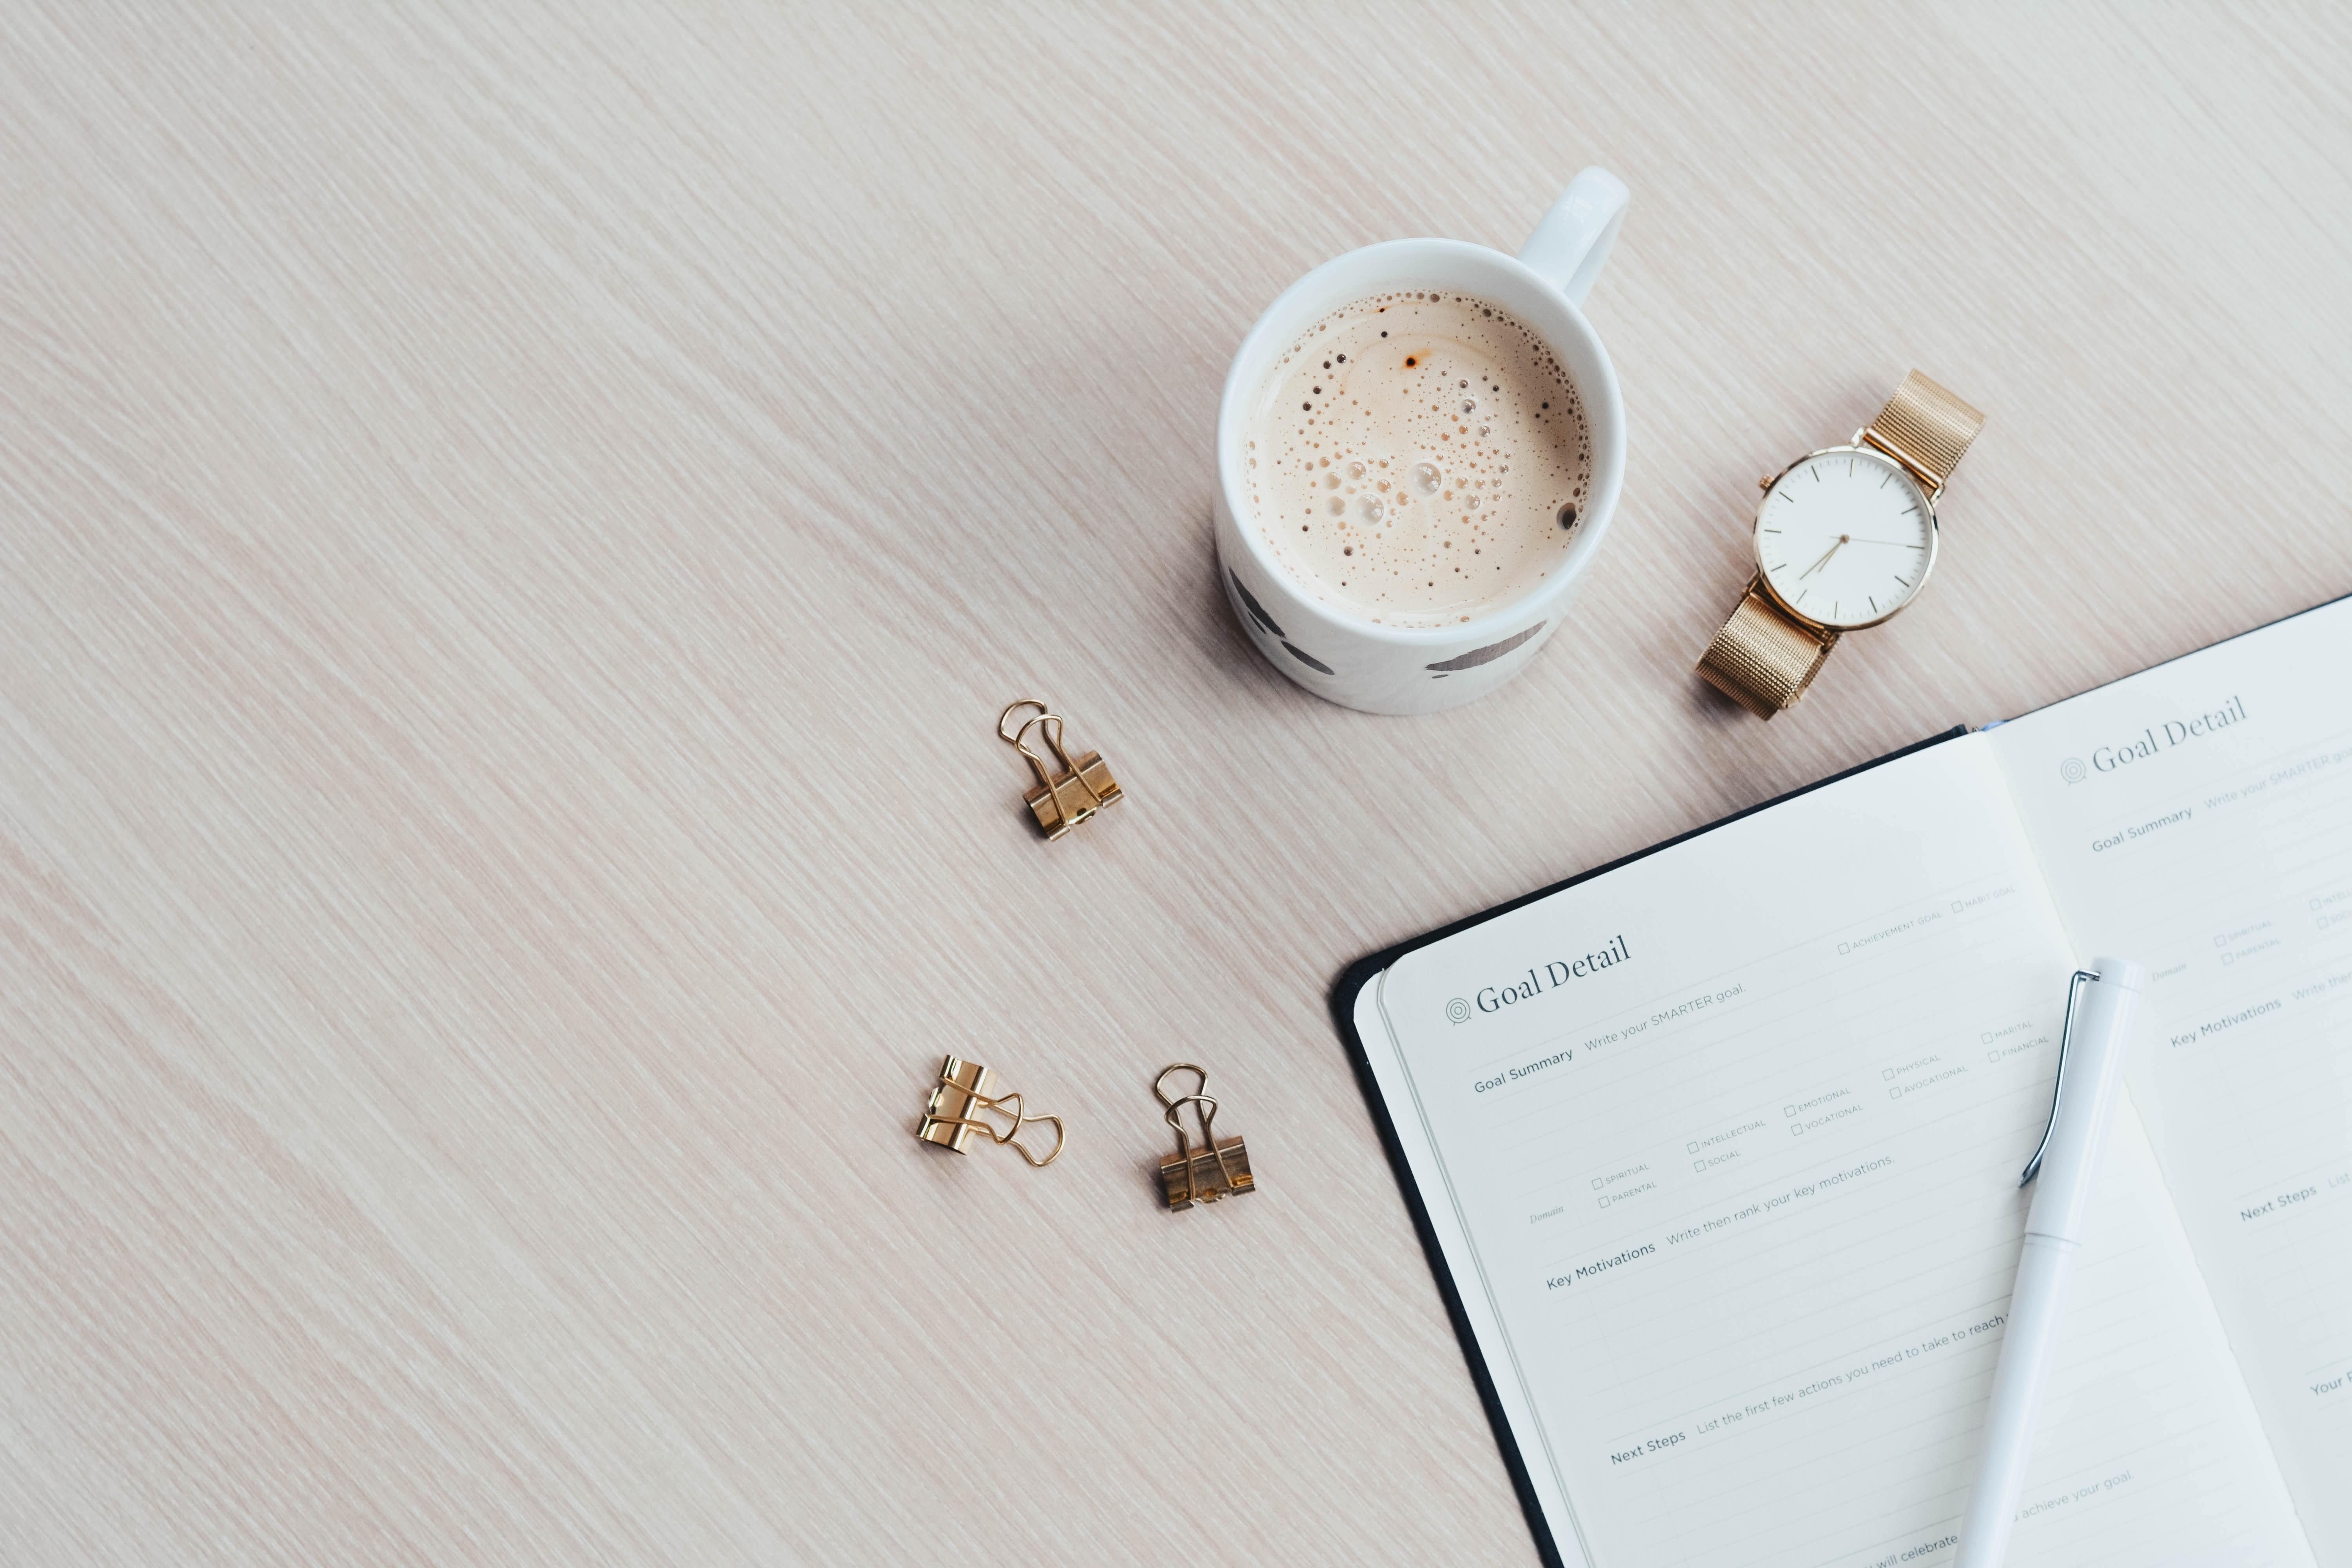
pixel 1203 1107
pixel 1008 736
pixel 1011 1105
pixel 963 1100
pixel 1160 1087
pixel 1048 724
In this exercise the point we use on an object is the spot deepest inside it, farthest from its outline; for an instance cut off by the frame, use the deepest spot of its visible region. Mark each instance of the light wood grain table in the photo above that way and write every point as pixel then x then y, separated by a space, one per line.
pixel 515 526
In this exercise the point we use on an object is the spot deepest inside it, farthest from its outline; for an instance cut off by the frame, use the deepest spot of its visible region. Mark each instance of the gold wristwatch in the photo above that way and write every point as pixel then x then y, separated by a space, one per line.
pixel 1844 538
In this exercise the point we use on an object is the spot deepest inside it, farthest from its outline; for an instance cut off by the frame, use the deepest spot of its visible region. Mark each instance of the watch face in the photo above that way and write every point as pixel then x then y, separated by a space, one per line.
pixel 1845 537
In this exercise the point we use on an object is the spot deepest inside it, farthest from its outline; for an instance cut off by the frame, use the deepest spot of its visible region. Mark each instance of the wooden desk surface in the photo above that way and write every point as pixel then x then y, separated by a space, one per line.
pixel 515 526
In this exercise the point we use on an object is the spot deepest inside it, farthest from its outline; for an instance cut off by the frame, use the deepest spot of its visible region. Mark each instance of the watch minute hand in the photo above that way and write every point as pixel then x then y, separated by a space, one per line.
pixel 1824 560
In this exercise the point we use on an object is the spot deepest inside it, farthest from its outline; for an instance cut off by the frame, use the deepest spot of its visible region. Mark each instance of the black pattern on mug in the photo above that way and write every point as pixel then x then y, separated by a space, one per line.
pixel 1487 655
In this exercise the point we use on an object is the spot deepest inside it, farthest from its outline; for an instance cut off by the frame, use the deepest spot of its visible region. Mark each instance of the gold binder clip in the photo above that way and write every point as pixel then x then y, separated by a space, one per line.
pixel 1061 801
pixel 962 1102
pixel 1219 1167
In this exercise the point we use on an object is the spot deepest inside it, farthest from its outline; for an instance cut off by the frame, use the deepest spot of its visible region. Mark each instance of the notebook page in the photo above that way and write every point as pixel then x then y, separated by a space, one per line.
pixel 2198 818
pixel 1723 1148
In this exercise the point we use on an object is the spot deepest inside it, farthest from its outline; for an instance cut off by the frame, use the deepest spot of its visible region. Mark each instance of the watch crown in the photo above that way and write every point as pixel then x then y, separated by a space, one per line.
pixel 1765 483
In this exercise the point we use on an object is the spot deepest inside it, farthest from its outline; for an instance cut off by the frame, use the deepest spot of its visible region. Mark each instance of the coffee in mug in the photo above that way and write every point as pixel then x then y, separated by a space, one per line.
pixel 1418 457
pixel 1401 518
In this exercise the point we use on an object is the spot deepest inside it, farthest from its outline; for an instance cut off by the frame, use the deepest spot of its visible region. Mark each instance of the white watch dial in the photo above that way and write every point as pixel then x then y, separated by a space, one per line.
pixel 1845 538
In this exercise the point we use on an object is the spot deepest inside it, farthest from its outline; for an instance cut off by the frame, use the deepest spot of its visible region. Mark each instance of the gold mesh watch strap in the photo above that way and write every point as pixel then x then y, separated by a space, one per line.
pixel 1926 430
pixel 1762 659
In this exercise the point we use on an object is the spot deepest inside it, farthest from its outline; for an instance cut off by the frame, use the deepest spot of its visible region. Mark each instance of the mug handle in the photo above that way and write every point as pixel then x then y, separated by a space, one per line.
pixel 1567 248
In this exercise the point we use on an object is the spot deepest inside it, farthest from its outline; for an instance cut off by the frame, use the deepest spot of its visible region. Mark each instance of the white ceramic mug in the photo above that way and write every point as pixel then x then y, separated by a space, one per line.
pixel 1396 669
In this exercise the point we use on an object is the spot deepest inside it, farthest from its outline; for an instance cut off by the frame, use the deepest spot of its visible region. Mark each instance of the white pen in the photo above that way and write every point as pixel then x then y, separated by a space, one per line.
pixel 2092 1046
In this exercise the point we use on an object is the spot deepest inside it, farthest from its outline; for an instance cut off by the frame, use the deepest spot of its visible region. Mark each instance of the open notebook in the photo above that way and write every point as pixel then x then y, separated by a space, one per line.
pixel 1716 1149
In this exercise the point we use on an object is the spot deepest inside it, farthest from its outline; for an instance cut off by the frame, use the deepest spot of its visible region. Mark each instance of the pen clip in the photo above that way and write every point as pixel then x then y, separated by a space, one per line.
pixel 2058 1086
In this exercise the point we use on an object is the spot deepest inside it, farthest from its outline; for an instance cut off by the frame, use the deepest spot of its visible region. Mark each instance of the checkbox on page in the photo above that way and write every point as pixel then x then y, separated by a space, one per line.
pixel 1894 1094
pixel 1798 1130
pixel 1698 1165
pixel 1596 1184
pixel 1886 1072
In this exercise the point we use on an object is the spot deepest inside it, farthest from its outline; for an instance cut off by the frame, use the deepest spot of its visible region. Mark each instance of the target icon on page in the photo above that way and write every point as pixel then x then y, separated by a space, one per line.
pixel 1459 1011
pixel 2073 771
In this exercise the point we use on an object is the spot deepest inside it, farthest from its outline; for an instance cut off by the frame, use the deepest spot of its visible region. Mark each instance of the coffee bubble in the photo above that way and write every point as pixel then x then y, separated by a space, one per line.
pixel 1427 476
pixel 1373 509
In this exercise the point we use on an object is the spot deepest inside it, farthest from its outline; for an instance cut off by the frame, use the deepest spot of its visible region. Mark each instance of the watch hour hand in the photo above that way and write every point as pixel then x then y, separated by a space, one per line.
pixel 1824 560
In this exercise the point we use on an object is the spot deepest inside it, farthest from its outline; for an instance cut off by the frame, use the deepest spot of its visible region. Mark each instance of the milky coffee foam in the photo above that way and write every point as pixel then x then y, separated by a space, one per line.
pixel 1417 458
